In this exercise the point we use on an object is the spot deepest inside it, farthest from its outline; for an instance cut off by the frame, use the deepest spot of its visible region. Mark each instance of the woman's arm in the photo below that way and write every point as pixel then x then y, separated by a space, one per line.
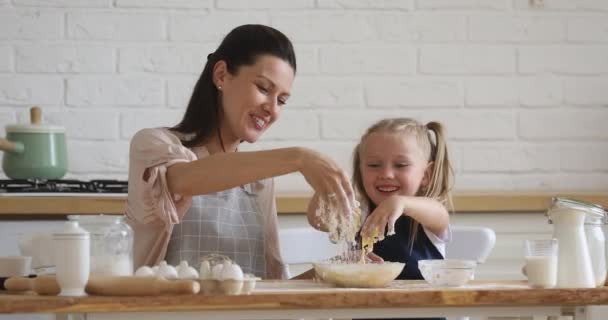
pixel 314 220
pixel 227 170
pixel 222 171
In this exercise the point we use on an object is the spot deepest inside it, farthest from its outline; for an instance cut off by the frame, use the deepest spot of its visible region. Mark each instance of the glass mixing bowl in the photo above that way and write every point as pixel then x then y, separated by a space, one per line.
pixel 111 243
pixel 447 273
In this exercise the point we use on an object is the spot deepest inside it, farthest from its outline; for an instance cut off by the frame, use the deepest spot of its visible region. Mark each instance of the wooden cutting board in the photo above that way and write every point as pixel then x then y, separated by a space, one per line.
pixel 107 286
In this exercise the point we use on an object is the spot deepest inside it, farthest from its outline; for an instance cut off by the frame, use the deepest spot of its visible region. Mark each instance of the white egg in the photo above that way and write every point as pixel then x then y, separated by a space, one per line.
pixel 166 271
pixel 232 271
pixel 216 271
pixel 144 271
pixel 182 267
pixel 186 272
pixel 191 274
pixel 205 271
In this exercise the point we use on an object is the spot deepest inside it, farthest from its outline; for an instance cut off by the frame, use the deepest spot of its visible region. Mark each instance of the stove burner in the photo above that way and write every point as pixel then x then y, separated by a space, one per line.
pixel 63 186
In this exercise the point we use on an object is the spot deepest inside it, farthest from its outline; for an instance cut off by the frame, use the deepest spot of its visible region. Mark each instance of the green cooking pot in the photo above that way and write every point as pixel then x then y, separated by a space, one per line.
pixel 34 151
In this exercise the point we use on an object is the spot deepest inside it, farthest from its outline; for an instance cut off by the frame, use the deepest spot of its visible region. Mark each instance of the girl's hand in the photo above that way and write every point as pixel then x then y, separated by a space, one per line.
pixel 375 258
pixel 330 182
pixel 383 217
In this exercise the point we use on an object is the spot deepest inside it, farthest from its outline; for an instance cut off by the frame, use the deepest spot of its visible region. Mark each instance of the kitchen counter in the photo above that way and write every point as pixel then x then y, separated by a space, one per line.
pixel 303 297
pixel 286 203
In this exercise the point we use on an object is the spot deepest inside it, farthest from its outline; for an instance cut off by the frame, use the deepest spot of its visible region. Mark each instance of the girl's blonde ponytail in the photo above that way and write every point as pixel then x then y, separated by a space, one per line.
pixel 442 178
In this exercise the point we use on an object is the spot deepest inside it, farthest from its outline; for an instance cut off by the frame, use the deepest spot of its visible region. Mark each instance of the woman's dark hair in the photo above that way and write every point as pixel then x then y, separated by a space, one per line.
pixel 241 47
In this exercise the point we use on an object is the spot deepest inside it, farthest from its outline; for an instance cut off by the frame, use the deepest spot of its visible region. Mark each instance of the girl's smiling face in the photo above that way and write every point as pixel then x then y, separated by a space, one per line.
pixel 393 164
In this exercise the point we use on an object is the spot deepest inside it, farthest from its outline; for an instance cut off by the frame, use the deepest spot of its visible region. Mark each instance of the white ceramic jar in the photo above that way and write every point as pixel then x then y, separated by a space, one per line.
pixel 72 259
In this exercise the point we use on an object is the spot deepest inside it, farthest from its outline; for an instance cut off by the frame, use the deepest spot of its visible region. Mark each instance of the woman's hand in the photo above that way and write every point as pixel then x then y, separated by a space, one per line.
pixel 327 178
pixel 383 217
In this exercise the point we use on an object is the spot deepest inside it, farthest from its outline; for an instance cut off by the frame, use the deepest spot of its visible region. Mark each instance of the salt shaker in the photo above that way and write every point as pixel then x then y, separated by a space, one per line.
pixel 72 259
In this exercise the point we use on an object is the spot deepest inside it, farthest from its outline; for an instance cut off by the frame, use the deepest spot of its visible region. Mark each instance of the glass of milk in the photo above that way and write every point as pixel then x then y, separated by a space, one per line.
pixel 541 262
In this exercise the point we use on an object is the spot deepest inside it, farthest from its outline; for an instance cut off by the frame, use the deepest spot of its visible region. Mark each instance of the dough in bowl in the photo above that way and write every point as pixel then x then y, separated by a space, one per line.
pixel 359 275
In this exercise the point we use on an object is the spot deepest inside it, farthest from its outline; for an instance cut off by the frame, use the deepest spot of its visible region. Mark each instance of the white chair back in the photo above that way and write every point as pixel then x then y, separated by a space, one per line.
pixel 302 246
pixel 305 245
pixel 471 243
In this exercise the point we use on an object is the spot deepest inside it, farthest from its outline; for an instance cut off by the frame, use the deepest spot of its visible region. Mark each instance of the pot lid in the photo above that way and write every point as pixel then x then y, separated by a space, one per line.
pixel 35 125
pixel 34 128
pixel 71 229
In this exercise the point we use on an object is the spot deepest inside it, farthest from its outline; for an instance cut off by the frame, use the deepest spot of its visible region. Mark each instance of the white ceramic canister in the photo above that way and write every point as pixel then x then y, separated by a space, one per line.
pixel 72 259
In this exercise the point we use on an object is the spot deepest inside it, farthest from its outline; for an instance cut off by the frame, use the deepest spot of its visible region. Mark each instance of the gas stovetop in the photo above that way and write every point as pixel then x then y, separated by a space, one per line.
pixel 36 187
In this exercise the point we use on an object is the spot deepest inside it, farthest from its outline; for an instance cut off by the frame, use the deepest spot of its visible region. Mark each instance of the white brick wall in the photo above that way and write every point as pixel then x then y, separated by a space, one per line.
pixel 522 90
pixel 6 58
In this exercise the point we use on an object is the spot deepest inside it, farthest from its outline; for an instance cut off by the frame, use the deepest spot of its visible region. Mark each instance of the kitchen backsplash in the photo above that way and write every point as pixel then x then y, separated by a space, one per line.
pixel 521 85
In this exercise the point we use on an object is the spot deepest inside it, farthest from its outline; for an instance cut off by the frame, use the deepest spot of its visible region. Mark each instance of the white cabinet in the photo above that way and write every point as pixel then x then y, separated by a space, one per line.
pixel 11 230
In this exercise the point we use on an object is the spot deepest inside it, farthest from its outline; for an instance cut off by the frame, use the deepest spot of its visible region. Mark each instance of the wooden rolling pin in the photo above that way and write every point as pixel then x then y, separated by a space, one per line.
pixel 43 285
pixel 139 286
pixel 107 286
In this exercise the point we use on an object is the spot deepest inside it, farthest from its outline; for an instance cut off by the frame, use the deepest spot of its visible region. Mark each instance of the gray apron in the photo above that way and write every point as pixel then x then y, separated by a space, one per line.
pixel 228 223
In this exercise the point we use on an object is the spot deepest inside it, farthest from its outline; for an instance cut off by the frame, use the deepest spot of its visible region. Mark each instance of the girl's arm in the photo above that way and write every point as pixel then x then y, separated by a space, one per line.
pixel 429 212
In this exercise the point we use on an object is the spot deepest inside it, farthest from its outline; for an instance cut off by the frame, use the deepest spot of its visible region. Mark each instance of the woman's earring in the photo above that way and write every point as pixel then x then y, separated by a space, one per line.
pixel 219 88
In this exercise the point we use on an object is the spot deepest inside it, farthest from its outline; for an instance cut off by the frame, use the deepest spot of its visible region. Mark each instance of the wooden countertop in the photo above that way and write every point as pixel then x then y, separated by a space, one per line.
pixel 479 202
pixel 399 294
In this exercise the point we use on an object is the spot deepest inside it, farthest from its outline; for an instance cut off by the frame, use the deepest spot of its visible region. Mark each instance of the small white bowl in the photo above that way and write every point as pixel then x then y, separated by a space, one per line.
pixel 359 275
pixel 15 266
pixel 447 273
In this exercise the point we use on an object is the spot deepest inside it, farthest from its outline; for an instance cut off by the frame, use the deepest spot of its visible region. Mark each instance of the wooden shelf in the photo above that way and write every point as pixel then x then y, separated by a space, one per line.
pixel 477 202
pixel 296 203
pixel 61 205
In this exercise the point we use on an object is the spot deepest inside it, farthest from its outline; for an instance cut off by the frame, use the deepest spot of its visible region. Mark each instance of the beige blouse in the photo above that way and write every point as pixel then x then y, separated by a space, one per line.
pixel 152 210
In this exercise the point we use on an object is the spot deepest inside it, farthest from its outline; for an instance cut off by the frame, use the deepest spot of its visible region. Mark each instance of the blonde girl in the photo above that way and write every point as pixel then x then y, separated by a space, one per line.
pixel 403 176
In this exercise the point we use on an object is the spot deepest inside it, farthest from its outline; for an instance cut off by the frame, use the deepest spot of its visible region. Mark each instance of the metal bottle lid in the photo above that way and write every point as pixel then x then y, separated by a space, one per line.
pixel 595 213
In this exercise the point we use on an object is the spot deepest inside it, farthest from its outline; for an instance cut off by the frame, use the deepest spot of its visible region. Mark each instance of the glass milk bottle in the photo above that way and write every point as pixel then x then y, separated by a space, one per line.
pixel 596 241
pixel 568 217
pixel 111 244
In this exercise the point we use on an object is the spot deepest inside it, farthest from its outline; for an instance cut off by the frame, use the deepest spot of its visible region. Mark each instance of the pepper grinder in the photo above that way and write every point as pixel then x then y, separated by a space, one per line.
pixel 71 247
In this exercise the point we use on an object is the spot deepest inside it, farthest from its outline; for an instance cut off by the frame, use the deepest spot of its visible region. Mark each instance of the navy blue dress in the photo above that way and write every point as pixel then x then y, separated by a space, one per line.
pixel 396 248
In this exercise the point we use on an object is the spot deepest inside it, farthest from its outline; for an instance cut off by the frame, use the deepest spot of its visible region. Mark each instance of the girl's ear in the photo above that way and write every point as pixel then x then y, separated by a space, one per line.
pixel 428 174
pixel 220 71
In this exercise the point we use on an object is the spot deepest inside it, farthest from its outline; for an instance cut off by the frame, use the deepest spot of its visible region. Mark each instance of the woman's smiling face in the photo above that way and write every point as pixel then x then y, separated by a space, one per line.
pixel 392 164
pixel 253 97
